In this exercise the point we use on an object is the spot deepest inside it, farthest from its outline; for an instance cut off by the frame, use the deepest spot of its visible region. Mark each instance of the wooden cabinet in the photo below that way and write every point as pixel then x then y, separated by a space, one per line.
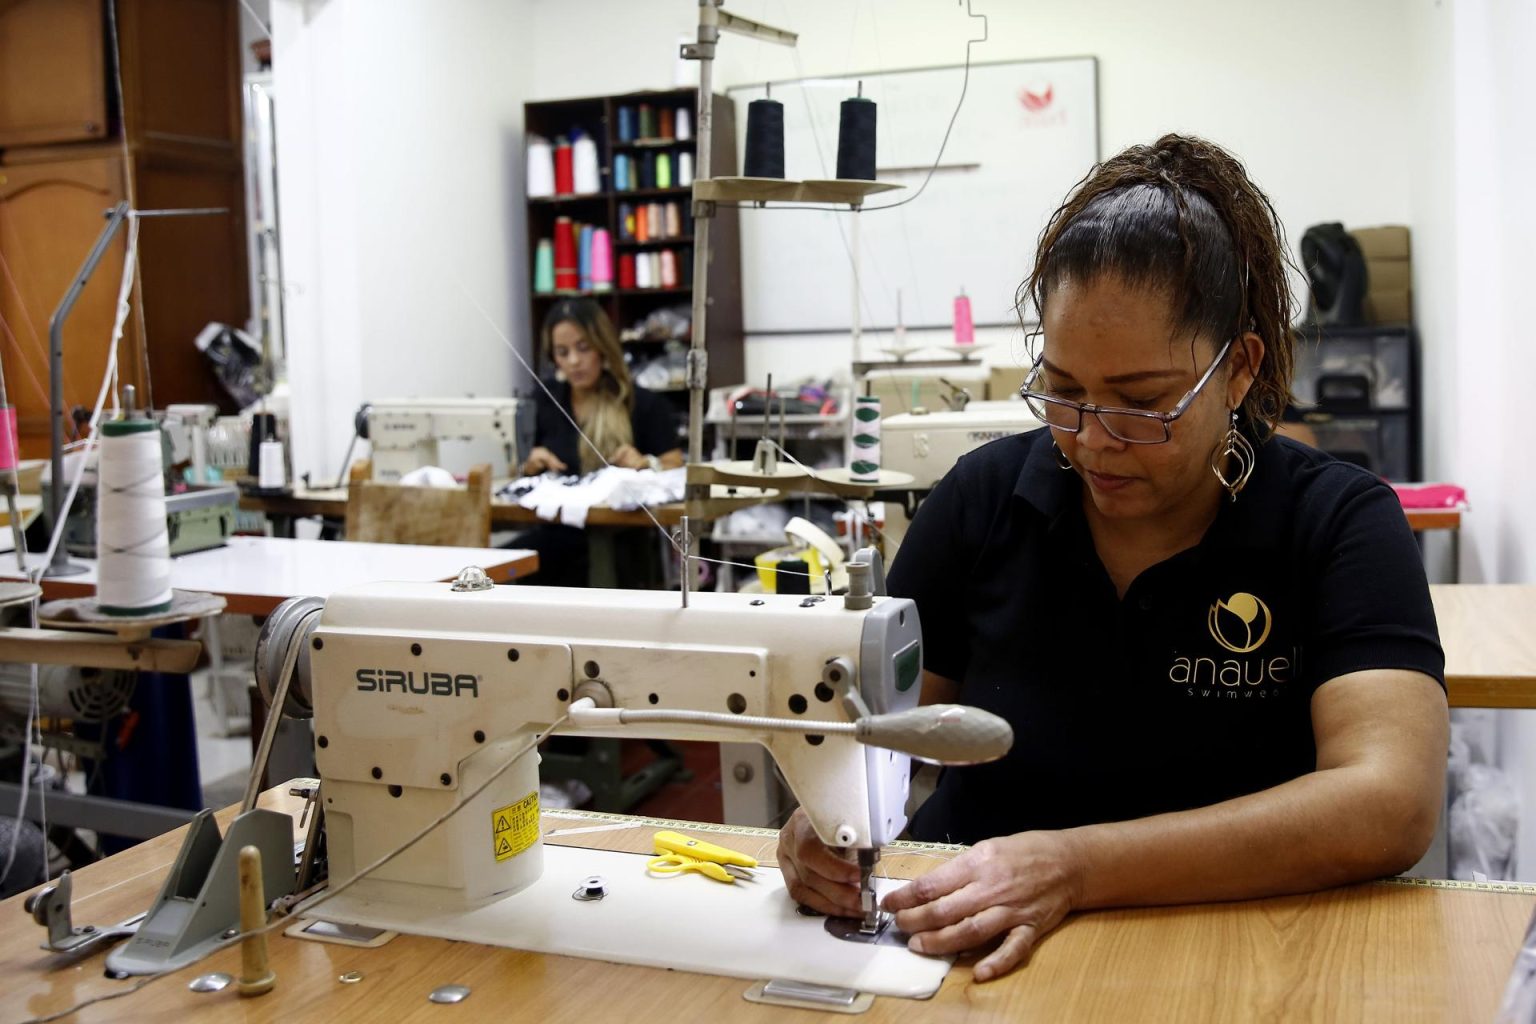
pixel 181 149
pixel 50 213
pixel 53 71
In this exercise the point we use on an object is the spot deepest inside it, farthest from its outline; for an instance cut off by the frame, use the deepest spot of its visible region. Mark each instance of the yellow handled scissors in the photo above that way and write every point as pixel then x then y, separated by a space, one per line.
pixel 676 863
pixel 676 853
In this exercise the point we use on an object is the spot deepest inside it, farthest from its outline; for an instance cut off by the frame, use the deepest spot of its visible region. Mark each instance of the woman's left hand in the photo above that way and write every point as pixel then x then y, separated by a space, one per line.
pixel 627 456
pixel 1018 887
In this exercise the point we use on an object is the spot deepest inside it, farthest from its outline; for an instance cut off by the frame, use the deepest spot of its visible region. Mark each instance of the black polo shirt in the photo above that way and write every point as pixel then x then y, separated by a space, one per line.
pixel 1194 688
pixel 654 422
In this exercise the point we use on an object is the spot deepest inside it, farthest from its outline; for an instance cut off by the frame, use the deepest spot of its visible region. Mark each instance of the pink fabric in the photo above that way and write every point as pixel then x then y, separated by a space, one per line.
pixel 1430 495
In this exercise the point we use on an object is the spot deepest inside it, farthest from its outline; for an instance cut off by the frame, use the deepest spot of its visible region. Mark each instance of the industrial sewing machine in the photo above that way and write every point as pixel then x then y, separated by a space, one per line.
pixel 428 700
pixel 927 444
pixel 405 432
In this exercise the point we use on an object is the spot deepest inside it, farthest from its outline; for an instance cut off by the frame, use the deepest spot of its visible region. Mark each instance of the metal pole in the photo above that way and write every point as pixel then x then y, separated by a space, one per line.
pixel 703 214
pixel 61 565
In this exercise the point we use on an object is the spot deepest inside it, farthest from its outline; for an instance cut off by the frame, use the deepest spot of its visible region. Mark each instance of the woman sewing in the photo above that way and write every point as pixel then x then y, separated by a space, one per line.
pixel 628 426
pixel 1216 646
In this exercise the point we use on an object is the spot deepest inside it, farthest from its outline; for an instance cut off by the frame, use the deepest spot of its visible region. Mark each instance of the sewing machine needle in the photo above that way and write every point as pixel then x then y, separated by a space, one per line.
pixel 867 902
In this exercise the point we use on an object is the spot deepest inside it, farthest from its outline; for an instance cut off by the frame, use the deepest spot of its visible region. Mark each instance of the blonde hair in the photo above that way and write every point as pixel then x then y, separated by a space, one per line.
pixel 607 420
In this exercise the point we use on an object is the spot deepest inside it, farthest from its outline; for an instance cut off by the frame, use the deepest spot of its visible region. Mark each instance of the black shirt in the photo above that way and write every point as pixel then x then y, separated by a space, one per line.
pixel 653 421
pixel 1194 688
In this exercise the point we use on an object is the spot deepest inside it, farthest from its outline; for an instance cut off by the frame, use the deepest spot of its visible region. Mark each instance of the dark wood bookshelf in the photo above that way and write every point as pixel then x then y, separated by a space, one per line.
pixel 597 116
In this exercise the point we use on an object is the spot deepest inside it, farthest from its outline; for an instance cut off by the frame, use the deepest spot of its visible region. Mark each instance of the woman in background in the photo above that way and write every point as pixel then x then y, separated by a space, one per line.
pixel 627 426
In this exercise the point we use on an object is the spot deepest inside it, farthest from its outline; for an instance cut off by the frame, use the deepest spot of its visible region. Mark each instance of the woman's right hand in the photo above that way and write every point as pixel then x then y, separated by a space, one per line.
pixel 542 460
pixel 816 875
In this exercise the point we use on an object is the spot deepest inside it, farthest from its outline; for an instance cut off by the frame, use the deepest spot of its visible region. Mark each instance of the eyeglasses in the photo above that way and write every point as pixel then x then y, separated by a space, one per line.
pixel 1133 426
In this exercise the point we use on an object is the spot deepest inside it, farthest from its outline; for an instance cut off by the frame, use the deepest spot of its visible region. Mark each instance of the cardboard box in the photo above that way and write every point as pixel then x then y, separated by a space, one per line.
pixel 1389 275
pixel 1004 382
pixel 1389 242
pixel 1389 307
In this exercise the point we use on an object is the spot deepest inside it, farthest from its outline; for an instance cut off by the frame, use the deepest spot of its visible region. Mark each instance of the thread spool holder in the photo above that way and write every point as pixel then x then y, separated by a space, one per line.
pixel 708 191
pixel 61 565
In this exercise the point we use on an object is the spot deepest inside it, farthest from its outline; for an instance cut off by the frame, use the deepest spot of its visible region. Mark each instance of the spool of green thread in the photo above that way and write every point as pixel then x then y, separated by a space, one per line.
pixel 866 440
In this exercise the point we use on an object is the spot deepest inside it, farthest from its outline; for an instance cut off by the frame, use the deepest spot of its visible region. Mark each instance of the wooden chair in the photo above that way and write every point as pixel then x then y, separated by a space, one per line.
pixel 395 514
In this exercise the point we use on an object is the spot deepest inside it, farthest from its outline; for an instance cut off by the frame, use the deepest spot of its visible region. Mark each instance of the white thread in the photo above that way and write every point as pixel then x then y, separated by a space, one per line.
pixel 272 475
pixel 131 540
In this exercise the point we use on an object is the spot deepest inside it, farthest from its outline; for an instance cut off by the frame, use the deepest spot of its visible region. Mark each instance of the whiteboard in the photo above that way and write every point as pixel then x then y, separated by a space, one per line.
pixel 1025 134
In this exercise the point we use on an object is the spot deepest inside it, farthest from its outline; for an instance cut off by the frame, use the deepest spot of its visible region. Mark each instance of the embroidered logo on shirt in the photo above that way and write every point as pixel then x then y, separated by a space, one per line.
pixel 1241 623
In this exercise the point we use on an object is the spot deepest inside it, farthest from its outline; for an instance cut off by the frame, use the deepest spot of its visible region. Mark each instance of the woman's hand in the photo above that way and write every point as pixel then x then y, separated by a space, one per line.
pixel 816 875
pixel 627 456
pixel 542 460
pixel 1018 887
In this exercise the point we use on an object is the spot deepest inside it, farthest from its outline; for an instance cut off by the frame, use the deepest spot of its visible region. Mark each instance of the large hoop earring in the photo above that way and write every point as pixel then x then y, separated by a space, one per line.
pixel 1236 449
pixel 1061 457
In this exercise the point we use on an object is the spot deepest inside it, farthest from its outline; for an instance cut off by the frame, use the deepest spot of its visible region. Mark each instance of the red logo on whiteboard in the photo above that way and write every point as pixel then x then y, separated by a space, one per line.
pixel 1036 98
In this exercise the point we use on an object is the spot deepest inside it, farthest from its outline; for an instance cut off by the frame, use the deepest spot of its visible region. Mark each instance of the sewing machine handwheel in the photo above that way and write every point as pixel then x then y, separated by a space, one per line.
pixel 291 618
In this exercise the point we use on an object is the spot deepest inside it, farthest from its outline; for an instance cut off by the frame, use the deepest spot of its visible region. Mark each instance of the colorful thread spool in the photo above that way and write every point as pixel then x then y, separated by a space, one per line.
pixel 627 270
pixel 683 124
pixel 668 268
pixel 544 267
pixel 647 121
pixel 8 449
pixel 541 168
pixel 685 169
pixel 587 177
pixel 584 257
pixel 965 327
pixel 626 124
pixel 663 170
pixel 567 274
pixel 866 439
pixel 602 261
pixel 565 172
pixel 664 126
pixel 132 545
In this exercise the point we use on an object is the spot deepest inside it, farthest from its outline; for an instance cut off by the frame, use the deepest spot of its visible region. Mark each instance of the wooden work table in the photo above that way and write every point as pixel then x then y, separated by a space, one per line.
pixel 332 502
pixel 256 574
pixel 1382 951
pixel 1488 631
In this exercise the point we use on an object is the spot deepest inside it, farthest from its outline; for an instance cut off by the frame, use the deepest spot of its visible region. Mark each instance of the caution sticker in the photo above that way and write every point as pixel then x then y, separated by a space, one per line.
pixel 515 827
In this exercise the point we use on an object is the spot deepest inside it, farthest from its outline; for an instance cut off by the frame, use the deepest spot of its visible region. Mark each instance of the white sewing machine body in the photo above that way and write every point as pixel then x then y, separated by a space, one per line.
pixel 927 444
pixel 421 692
pixel 405 432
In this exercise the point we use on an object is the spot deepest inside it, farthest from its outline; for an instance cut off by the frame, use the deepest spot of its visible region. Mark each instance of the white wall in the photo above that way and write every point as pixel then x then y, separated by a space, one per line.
pixel 400 170
pixel 1312 94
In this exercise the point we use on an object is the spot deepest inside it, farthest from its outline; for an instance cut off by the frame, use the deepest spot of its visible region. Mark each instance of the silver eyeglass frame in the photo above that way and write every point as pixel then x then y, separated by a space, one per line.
pixel 1165 418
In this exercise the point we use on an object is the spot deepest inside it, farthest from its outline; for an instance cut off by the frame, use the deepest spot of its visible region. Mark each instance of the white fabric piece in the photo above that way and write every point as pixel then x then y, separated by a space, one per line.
pixel 568 499
pixel 429 476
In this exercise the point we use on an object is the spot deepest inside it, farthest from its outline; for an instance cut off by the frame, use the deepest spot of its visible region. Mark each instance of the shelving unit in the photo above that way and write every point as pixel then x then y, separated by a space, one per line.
pixel 598 117
pixel 1359 391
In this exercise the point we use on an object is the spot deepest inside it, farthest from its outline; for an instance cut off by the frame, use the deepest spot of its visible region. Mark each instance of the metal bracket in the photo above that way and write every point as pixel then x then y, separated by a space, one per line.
pixel 698 368
pixel 49 907
pixel 199 906
pixel 755 29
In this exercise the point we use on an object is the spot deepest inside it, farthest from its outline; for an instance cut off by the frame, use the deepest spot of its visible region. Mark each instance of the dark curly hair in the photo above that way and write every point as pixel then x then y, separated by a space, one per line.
pixel 1181 216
